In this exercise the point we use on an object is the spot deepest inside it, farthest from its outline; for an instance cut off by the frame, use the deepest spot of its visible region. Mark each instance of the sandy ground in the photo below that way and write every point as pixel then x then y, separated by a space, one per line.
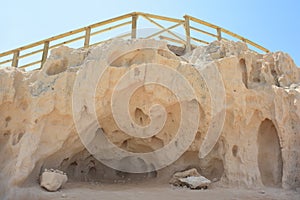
pixel 93 191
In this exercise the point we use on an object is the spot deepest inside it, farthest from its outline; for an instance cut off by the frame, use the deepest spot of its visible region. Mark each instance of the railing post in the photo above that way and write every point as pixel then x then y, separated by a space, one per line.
pixel 45 53
pixel 187 33
pixel 15 60
pixel 87 37
pixel 219 33
pixel 134 26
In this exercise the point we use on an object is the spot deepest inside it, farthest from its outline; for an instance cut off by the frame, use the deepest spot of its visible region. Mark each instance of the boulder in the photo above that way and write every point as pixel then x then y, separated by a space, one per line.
pixel 196 182
pixel 53 180
pixel 190 178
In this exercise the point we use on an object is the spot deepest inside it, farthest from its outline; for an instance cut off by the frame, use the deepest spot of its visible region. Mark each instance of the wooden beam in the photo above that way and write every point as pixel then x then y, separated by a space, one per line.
pixel 45 52
pixel 86 32
pixel 171 39
pixel 5 61
pixel 219 33
pixel 203 22
pixel 160 17
pixel 198 40
pixel 111 27
pixel 87 37
pixel 202 31
pixel 66 42
pixel 134 26
pixel 15 60
pixel 187 33
pixel 160 26
pixel 30 64
pixel 164 30
pixel 66 34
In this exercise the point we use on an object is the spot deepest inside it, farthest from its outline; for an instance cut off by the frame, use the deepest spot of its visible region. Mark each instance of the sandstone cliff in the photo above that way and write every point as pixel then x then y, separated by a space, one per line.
pixel 240 114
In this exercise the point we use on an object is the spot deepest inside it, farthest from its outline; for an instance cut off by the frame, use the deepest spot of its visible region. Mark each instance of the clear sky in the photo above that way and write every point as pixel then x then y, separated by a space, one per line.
pixel 273 24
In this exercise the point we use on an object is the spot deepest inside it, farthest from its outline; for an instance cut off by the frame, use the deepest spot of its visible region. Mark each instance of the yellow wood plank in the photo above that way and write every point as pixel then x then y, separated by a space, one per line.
pixel 66 42
pixel 15 59
pixel 110 28
pixel 45 52
pixel 161 17
pixel 17 53
pixel 134 26
pixel 30 64
pixel 160 26
pixel 187 33
pixel 87 37
pixel 171 39
pixel 5 61
pixel 164 30
pixel 219 34
pixel 204 32
pixel 198 40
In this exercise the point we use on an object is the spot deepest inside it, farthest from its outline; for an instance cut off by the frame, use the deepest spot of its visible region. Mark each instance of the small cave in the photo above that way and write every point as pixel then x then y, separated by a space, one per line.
pixel 269 154
pixel 83 167
pixel 212 165
pixel 243 68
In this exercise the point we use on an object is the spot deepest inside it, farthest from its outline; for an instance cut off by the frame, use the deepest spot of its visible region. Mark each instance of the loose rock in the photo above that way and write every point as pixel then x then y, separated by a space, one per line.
pixel 52 180
pixel 191 179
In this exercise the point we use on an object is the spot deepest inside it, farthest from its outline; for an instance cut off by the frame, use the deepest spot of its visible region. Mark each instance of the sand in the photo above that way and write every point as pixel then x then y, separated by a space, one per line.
pixel 150 191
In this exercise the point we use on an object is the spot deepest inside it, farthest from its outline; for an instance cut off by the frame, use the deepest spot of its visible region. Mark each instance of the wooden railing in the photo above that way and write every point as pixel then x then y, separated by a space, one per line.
pixel 188 27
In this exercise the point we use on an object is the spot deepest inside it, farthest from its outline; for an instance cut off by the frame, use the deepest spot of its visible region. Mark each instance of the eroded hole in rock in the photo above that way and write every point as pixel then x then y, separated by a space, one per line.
pixel 179 51
pixel 243 68
pixel 84 167
pixel 8 118
pixel 269 154
pixel 257 80
pixel 274 74
pixel 235 149
pixel 212 166
pixel 141 118
pixel 17 138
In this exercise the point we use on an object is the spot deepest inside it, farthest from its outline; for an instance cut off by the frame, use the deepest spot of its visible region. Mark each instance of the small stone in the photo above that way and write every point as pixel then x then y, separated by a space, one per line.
pixel 53 180
pixel 63 195
pixel 196 182
pixel 191 179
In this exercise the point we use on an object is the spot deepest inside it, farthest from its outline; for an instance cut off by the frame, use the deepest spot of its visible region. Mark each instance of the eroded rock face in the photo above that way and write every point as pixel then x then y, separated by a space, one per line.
pixel 262 98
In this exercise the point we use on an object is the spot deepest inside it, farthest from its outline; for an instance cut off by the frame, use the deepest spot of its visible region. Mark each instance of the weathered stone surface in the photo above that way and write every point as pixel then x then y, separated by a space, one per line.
pixel 190 178
pixel 175 180
pixel 52 180
pixel 196 182
pixel 262 96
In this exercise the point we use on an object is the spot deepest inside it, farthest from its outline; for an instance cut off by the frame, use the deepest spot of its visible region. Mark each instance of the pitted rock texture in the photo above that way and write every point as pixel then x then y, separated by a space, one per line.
pixel 258 145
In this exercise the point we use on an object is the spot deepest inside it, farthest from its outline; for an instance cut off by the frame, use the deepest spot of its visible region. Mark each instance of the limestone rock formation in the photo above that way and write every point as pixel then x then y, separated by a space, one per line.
pixel 247 123
pixel 52 180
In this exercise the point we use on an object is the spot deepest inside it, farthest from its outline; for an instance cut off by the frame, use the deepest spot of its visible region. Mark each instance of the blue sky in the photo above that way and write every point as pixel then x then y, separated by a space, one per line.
pixel 273 24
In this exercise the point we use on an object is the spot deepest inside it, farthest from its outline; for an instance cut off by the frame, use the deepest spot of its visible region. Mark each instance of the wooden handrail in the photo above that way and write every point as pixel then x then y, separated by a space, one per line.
pixel 87 32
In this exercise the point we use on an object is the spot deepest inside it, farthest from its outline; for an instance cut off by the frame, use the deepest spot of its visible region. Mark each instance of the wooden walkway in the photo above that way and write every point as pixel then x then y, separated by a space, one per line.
pixel 183 32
